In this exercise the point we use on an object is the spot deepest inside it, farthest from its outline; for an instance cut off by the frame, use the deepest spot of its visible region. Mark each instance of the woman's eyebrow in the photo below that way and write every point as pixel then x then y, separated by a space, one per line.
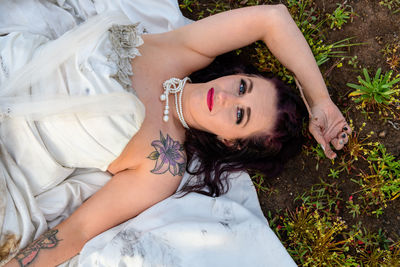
pixel 250 86
pixel 248 113
pixel 248 110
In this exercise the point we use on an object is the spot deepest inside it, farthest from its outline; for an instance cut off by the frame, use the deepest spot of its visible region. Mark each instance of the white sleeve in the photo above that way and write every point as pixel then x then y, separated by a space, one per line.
pixel 47 18
pixel 155 16
pixel 51 18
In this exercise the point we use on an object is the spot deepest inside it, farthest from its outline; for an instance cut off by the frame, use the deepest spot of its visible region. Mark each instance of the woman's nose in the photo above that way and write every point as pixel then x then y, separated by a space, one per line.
pixel 225 98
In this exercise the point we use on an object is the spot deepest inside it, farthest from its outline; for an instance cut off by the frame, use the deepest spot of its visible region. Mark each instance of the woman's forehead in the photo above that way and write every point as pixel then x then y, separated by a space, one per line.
pixel 263 105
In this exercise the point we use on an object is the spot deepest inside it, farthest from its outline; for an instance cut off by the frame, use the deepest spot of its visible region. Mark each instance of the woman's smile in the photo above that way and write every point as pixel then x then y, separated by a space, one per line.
pixel 210 99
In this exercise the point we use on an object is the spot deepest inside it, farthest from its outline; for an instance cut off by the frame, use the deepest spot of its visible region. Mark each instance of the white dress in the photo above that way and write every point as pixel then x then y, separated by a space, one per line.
pixel 48 168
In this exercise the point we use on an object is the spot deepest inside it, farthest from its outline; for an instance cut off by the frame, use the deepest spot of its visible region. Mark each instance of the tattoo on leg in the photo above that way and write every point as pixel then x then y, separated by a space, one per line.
pixel 46 241
pixel 169 155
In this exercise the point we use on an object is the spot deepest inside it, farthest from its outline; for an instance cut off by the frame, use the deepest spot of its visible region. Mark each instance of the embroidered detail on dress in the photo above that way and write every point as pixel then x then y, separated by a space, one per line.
pixel 124 40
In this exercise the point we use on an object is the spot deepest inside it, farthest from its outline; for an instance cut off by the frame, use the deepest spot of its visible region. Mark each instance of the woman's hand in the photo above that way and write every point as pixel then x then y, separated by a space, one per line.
pixel 328 125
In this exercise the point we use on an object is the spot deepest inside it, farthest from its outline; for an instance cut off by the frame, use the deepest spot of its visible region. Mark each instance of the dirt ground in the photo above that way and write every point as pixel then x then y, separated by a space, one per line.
pixel 375 26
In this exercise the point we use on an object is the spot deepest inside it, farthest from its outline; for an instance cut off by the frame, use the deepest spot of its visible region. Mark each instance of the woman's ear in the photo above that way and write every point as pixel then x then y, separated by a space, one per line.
pixel 230 143
pixel 226 142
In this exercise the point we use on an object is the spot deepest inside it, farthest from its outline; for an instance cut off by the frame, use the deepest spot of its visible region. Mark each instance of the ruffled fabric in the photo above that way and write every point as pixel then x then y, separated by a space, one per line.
pixel 124 40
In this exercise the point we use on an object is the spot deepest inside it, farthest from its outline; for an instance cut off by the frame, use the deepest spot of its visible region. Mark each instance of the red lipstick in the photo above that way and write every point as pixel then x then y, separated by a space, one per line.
pixel 210 98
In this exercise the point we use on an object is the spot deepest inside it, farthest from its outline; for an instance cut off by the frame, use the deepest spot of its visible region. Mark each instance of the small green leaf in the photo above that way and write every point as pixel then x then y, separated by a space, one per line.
pixel 354 86
pixel 378 73
pixel 154 155
pixel 366 75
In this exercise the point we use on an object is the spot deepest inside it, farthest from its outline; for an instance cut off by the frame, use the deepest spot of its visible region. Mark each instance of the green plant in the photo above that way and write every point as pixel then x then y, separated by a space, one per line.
pixel 334 173
pixel 353 61
pixel 317 240
pixel 218 7
pixel 187 4
pixel 376 91
pixel 382 184
pixel 391 4
pixel 375 249
pixel 323 197
pixel 356 148
pixel 310 23
pixel 316 151
pixel 354 208
pixel 258 181
pixel 392 53
pixel 340 16
pixel 250 2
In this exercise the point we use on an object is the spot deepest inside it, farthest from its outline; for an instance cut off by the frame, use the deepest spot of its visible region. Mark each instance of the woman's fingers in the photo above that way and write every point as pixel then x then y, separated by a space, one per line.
pixel 316 130
pixel 340 141
pixel 346 129
pixel 327 132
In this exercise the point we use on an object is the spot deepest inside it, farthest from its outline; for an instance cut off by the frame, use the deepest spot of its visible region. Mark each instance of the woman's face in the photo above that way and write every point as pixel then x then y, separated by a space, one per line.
pixel 232 107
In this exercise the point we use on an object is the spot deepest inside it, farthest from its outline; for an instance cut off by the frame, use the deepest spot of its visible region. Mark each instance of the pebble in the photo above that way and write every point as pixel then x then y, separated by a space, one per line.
pixel 398 218
pixel 382 134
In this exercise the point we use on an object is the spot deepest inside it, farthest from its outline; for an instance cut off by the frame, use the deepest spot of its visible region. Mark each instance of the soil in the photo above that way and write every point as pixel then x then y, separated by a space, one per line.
pixel 375 26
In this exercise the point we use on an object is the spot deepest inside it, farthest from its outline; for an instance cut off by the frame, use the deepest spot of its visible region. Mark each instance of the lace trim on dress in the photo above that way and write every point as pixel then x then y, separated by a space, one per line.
pixel 124 40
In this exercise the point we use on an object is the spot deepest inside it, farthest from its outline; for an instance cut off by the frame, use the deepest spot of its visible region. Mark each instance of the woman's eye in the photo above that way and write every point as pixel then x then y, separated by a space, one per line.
pixel 239 115
pixel 242 87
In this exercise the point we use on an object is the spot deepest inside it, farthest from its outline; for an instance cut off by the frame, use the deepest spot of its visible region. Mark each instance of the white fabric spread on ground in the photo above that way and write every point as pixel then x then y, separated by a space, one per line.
pixel 48 168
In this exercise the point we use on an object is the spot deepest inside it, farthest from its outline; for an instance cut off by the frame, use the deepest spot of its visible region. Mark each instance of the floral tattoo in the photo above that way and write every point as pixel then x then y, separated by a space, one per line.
pixel 46 241
pixel 169 155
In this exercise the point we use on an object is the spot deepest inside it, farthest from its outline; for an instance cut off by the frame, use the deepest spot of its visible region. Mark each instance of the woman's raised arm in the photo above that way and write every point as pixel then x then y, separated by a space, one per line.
pixel 195 45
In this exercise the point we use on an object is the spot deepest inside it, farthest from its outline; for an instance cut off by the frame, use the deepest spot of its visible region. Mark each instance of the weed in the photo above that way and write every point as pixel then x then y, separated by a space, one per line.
pixel 317 240
pixel 340 16
pixel 392 54
pixel 187 4
pixel 391 4
pixel 354 208
pixel 356 148
pixel 218 7
pixel 334 173
pixel 258 181
pixel 382 184
pixel 266 62
pixel 273 221
pixel 323 197
pixel 315 151
pixel 251 2
pixel 374 249
pixel 309 21
pixel 377 92
pixel 353 61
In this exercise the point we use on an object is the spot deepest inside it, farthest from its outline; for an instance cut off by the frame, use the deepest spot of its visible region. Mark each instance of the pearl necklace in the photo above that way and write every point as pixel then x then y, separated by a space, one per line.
pixel 175 86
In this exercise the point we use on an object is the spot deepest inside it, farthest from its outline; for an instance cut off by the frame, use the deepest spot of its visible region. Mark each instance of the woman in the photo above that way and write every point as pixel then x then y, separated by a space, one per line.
pixel 235 109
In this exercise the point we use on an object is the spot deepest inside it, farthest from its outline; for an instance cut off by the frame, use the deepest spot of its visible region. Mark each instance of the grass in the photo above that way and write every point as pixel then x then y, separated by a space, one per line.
pixel 337 221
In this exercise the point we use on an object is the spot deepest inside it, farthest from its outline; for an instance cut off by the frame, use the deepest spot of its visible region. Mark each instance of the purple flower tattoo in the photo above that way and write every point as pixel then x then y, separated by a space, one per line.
pixel 169 156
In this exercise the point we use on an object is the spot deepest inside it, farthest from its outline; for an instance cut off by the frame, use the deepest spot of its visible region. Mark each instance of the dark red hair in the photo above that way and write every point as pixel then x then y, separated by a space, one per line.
pixel 265 153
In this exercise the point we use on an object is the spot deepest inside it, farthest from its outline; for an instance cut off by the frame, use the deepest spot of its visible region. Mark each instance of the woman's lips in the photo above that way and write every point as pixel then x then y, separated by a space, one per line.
pixel 210 98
